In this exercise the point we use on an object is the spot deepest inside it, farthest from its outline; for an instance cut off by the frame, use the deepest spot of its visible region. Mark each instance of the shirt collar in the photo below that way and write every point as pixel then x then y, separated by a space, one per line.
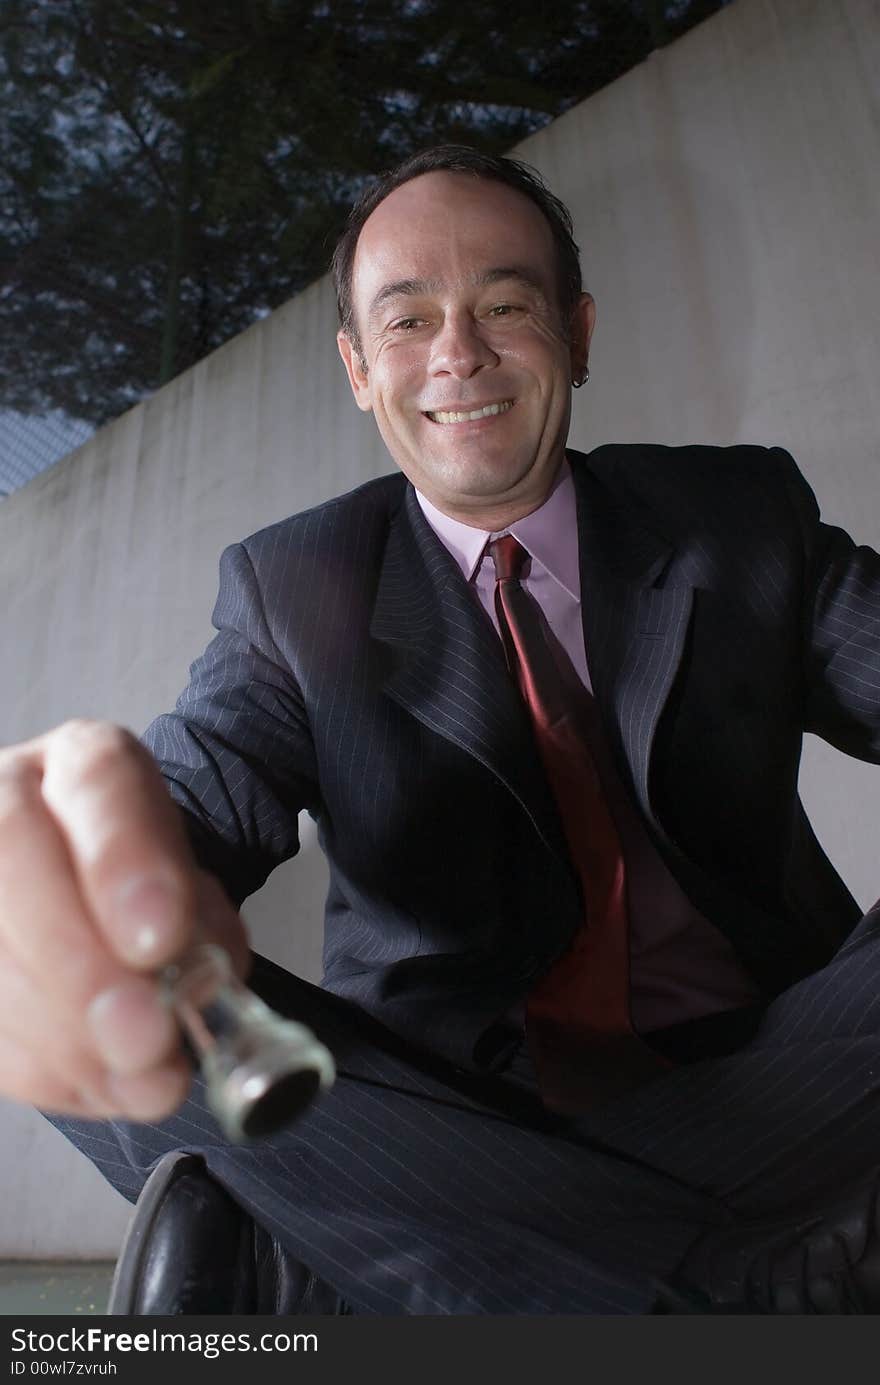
pixel 549 534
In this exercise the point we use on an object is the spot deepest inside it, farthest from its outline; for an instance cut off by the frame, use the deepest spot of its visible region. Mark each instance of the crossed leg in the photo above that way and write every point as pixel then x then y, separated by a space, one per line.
pixel 413 1189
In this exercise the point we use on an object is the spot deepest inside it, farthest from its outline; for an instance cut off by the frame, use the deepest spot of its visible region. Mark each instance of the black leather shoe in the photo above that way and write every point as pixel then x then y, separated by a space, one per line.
pixel 828 1264
pixel 190 1248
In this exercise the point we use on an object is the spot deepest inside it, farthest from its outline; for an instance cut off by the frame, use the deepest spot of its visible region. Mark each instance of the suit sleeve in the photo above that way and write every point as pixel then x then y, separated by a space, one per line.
pixel 237 751
pixel 841 630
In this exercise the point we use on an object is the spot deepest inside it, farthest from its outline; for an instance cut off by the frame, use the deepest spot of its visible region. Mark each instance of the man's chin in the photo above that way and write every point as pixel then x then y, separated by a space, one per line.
pixel 481 476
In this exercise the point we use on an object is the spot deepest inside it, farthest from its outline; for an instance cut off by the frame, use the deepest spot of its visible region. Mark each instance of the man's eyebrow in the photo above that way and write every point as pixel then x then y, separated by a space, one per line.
pixel 403 288
pixel 416 288
pixel 519 272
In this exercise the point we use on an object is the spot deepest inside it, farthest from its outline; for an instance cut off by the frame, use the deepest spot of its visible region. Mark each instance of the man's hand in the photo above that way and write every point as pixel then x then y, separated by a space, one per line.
pixel 98 888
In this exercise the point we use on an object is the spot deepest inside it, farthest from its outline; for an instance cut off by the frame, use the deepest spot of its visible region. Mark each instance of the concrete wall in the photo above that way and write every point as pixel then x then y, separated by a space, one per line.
pixel 727 204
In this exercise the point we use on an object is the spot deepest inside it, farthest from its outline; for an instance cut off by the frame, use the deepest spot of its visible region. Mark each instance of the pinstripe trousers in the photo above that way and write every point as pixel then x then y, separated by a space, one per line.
pixel 416 1188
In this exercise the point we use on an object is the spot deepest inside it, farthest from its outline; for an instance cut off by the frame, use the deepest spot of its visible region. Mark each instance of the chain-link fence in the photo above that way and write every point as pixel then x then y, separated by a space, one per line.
pixel 30 444
pixel 171 170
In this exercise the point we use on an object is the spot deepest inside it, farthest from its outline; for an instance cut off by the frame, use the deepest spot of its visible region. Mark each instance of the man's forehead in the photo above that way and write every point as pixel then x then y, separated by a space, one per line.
pixel 445 225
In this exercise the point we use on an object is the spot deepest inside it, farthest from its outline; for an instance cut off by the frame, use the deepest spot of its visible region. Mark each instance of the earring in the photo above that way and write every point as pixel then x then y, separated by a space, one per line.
pixel 584 378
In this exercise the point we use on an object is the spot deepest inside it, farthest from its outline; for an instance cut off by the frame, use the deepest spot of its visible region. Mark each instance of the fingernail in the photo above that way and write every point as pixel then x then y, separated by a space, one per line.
pixel 147 920
pixel 131 1028
pixel 150 1097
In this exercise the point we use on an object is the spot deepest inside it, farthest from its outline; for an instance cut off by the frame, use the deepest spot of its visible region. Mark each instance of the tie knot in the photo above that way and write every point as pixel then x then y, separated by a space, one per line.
pixel 508 555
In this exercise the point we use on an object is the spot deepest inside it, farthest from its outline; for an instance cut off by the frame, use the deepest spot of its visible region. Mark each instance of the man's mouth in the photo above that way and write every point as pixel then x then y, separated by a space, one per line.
pixel 468 416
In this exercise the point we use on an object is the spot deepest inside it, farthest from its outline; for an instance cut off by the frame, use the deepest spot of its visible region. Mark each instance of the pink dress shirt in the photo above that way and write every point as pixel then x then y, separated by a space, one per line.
pixel 681 966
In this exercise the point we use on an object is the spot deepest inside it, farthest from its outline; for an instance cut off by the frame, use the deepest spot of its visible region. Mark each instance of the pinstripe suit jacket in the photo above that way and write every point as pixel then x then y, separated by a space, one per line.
pixel 355 675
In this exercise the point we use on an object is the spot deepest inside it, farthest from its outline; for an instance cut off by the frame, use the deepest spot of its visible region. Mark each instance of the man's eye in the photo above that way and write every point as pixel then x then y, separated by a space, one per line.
pixel 406 324
pixel 502 310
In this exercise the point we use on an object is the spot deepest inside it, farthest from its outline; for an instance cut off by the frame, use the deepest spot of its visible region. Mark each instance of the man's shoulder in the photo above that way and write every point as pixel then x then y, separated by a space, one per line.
pixel 695 478
pixel 660 461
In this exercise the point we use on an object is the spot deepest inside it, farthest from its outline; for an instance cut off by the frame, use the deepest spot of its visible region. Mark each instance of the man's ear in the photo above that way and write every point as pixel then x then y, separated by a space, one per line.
pixel 357 371
pixel 583 320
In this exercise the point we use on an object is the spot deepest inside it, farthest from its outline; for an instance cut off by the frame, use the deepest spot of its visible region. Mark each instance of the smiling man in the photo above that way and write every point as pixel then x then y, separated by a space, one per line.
pixel 605 1017
pixel 464 345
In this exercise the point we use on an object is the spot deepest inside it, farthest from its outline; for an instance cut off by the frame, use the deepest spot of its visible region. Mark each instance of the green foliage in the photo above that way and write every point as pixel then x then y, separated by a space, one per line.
pixel 172 169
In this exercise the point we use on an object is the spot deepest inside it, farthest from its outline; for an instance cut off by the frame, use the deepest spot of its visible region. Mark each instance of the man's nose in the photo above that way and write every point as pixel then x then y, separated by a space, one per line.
pixel 459 348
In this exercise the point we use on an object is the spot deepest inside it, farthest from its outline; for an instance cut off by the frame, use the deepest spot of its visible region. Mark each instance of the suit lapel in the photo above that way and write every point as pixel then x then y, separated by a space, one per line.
pixel 447 665
pixel 634 629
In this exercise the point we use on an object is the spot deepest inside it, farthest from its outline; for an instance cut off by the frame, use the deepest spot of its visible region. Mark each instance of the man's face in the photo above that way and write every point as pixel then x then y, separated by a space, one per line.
pixel 455 295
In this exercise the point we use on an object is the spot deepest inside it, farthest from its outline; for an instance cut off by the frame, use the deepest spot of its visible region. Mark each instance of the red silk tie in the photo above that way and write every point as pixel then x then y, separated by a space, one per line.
pixel 577 1016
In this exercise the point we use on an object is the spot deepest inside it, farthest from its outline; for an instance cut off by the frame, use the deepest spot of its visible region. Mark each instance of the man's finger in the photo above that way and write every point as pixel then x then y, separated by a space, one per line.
pixel 130 854
pixel 120 1038
pixel 43 923
pixel 26 1078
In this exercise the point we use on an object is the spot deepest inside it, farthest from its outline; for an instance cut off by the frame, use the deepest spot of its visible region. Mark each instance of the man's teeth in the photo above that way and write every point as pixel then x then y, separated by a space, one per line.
pixel 441 416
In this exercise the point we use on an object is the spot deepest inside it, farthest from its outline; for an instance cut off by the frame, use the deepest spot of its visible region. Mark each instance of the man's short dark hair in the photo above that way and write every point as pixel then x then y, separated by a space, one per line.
pixel 459 158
